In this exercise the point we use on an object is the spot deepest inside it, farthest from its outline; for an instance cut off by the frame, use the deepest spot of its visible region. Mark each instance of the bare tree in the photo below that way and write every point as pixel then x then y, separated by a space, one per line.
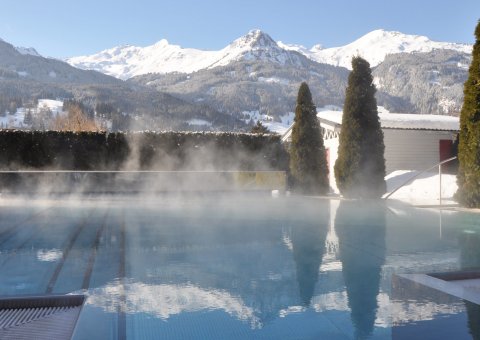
pixel 76 120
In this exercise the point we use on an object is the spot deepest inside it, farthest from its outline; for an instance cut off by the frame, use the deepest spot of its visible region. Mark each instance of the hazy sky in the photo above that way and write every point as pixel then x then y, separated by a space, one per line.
pixel 62 28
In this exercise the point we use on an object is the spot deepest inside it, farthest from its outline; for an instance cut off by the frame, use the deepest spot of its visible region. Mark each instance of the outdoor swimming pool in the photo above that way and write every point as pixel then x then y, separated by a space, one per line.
pixel 242 267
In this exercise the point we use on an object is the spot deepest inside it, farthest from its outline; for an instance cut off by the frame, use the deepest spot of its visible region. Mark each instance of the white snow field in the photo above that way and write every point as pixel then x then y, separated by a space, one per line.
pixel 423 190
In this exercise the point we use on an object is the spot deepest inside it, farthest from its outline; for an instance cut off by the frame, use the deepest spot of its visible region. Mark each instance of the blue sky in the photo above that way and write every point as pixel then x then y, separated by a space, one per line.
pixel 62 28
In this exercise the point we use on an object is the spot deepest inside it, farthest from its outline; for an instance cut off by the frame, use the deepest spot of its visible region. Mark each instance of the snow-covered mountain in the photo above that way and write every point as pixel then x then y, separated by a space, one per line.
pixel 376 45
pixel 128 61
pixel 27 51
pixel 26 77
pixel 24 50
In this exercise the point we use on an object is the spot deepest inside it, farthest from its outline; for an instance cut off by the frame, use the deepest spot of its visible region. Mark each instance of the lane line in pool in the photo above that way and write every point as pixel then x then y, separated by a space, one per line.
pixel 24 243
pixel 12 228
pixel 60 264
pixel 121 309
pixel 93 254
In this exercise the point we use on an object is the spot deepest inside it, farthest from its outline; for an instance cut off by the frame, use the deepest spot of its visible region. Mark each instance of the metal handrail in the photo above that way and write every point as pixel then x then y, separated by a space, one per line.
pixel 421 173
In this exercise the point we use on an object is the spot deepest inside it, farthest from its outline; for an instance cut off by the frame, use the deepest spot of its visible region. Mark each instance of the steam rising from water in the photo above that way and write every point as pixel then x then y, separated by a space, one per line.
pixel 198 167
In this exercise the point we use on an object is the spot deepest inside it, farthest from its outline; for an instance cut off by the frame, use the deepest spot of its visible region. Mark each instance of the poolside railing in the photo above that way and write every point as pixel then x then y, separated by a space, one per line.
pixel 421 173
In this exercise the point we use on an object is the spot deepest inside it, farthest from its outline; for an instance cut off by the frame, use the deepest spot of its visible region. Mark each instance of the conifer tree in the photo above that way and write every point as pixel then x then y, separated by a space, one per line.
pixel 360 166
pixel 308 164
pixel 468 177
pixel 259 128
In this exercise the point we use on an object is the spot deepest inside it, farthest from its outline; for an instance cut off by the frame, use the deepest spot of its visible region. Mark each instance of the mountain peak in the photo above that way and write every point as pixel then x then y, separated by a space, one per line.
pixel 316 48
pixel 27 51
pixel 392 36
pixel 256 39
pixel 376 45
pixel 162 43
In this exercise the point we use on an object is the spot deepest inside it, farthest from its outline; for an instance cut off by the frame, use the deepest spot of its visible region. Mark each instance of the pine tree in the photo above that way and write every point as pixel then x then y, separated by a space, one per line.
pixel 259 128
pixel 360 166
pixel 468 177
pixel 308 164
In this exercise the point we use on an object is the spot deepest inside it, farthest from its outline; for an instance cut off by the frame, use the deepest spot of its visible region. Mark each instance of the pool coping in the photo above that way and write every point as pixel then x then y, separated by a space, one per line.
pixel 446 283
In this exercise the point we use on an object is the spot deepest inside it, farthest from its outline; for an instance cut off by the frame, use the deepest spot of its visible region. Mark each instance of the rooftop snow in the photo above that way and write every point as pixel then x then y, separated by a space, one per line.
pixel 406 121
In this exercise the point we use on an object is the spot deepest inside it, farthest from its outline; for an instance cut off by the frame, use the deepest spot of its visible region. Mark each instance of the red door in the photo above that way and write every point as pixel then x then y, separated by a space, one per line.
pixel 445 152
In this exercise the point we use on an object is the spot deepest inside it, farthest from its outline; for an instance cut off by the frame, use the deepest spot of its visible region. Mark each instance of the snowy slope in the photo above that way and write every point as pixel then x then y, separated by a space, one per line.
pixel 376 45
pixel 424 189
pixel 128 61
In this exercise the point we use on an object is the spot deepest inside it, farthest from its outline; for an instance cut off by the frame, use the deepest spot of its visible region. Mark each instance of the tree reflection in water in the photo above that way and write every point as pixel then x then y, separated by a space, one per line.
pixel 360 227
pixel 308 241
pixel 470 260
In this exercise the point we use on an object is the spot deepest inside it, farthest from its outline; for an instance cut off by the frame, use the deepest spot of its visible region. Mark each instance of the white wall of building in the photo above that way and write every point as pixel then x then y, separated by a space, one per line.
pixel 332 146
pixel 404 150
pixel 413 149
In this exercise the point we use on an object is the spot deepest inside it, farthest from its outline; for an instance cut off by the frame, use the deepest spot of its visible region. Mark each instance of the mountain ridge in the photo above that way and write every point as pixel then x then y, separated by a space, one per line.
pixel 25 77
pixel 162 57
pixel 127 61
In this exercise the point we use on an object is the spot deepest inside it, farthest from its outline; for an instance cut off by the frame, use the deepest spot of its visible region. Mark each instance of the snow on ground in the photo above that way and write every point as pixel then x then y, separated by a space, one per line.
pixel 56 106
pixel 274 80
pixel 282 126
pixel 199 122
pixel 13 121
pixel 269 122
pixel 330 108
pixel 422 190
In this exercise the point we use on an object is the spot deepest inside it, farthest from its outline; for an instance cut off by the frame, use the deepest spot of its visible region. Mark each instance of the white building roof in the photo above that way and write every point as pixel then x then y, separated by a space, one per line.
pixel 407 121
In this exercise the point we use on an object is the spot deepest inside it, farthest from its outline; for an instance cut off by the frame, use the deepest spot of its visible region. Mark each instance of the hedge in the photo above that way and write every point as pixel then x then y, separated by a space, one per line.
pixel 195 151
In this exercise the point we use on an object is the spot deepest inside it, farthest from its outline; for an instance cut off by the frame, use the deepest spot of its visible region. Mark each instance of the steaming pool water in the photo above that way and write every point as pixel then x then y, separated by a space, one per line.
pixel 241 267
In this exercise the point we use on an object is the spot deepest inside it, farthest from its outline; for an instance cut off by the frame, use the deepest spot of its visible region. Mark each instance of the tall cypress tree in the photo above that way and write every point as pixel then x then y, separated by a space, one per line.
pixel 360 166
pixel 308 164
pixel 468 177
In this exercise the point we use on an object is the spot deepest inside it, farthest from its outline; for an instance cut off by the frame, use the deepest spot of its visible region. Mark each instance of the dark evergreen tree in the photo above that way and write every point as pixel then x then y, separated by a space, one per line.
pixel 468 177
pixel 308 164
pixel 28 118
pixel 360 166
pixel 259 128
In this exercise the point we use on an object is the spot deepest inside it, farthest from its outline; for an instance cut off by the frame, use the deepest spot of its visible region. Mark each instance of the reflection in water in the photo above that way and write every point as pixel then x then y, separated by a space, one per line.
pixel 469 260
pixel 308 241
pixel 362 253
pixel 473 311
pixel 240 268
pixel 165 300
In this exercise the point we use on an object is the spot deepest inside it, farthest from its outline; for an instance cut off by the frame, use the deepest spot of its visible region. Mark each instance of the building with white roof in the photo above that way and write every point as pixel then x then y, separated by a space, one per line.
pixel 412 141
